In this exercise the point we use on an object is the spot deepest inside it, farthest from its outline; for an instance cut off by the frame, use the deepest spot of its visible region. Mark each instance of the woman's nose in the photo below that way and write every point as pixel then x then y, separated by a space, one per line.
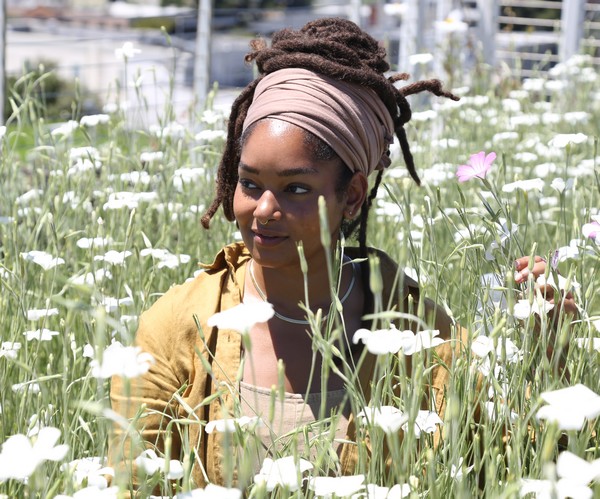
pixel 267 207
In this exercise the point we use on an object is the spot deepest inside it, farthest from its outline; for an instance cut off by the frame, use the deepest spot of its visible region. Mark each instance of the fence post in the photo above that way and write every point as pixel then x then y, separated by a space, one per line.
pixel 411 34
pixel 202 56
pixel 571 24
pixel 488 27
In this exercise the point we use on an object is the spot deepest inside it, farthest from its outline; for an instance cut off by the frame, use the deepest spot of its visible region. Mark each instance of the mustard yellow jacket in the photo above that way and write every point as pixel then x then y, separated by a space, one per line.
pixel 170 331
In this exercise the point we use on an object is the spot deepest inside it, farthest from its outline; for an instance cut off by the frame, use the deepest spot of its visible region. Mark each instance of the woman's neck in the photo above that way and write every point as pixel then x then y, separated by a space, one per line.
pixel 285 288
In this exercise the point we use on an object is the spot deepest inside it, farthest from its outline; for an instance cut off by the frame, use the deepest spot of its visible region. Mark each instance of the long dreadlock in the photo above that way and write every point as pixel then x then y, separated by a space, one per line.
pixel 333 47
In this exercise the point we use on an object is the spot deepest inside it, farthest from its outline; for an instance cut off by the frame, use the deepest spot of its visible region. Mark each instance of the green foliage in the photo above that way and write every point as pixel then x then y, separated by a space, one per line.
pixel 49 95
pixel 55 193
pixel 168 23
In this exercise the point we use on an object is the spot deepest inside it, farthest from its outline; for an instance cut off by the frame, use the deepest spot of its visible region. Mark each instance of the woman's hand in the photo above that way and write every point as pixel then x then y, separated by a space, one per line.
pixel 561 303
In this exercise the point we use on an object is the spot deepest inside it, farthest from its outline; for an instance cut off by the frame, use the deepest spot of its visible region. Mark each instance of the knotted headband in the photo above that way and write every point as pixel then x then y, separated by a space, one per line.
pixel 349 117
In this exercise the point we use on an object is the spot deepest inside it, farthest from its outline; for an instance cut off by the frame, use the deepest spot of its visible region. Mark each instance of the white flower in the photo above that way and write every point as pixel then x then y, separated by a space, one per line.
pixel 166 258
pixel 93 492
pixel 151 463
pixel 569 252
pixel 422 116
pixel 183 176
pixel 36 314
pixel 127 51
pixel 29 196
pixel 151 156
pixel 572 467
pixel 424 58
pixel 338 486
pixel 561 489
pixel 2 131
pixel 111 304
pixel 211 491
pixel 562 139
pixel 383 341
pixel 118 360
pixel 88 351
pixel 526 157
pixel 91 279
pixel 562 282
pixel 26 386
pixel 212 116
pixel 43 334
pixel 242 317
pixel 285 472
pixel 426 421
pixel 492 412
pixel 524 309
pixel 113 257
pixel 390 419
pixel 457 471
pixel 129 200
pixel 86 152
pixel 20 457
pixel 43 259
pixel 90 469
pixel 585 343
pixel 172 130
pixel 561 186
pixel 505 136
pixel 533 84
pixel 65 129
pixel 423 340
pixel 229 425
pixel 83 165
pixel 570 407
pixel 211 135
pixel 576 117
pixel 93 242
pixel 9 349
pixel 93 120
pixel 450 26
pixel 482 346
pixel 373 491
pixel 524 185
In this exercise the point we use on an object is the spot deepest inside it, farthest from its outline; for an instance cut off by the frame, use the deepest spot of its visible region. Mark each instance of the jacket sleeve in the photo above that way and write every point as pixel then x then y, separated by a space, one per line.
pixel 145 405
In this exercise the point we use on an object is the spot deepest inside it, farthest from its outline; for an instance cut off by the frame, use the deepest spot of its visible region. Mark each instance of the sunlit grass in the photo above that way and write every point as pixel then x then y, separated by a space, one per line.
pixel 441 231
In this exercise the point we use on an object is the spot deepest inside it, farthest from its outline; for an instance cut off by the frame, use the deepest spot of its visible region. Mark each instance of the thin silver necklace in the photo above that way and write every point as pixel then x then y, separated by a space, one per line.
pixel 285 318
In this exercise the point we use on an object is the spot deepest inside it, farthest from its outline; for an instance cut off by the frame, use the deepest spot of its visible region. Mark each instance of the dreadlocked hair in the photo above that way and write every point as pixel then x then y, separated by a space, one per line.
pixel 339 49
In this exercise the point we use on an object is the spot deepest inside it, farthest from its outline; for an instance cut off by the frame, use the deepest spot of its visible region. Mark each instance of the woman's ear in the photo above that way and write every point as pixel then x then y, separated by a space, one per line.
pixel 356 194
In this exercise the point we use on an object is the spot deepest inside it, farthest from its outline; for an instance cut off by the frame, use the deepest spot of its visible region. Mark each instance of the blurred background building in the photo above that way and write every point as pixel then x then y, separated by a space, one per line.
pixel 78 38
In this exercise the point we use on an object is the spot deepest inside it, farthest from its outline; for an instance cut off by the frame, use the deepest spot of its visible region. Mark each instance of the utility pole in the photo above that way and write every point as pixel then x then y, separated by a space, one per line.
pixel 202 56
pixel 2 58
pixel 572 17
pixel 355 7
pixel 412 32
pixel 488 28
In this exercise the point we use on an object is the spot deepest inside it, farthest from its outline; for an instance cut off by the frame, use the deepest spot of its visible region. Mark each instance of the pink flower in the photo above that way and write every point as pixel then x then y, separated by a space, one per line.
pixel 477 166
pixel 591 230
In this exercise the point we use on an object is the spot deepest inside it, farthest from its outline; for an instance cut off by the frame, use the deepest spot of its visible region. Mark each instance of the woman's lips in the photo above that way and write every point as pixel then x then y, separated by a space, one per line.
pixel 268 239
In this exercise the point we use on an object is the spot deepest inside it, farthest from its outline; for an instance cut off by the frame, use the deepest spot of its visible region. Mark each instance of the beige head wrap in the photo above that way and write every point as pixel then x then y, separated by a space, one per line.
pixel 351 118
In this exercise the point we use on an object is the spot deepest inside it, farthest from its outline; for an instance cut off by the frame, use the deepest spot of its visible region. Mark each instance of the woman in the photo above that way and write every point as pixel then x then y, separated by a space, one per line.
pixel 316 123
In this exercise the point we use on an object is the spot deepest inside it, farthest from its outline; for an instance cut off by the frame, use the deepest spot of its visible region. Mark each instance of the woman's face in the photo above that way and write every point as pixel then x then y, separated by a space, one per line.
pixel 280 181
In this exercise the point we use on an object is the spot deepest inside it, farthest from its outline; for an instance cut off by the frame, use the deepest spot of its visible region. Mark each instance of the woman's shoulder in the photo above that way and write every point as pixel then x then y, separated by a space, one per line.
pixel 200 295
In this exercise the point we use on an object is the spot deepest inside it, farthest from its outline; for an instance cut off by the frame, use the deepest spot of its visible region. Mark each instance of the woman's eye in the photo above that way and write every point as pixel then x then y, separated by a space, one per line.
pixel 247 184
pixel 297 189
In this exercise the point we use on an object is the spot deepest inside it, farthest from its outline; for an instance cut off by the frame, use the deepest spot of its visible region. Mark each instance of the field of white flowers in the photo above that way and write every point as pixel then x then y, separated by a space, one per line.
pixel 97 219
